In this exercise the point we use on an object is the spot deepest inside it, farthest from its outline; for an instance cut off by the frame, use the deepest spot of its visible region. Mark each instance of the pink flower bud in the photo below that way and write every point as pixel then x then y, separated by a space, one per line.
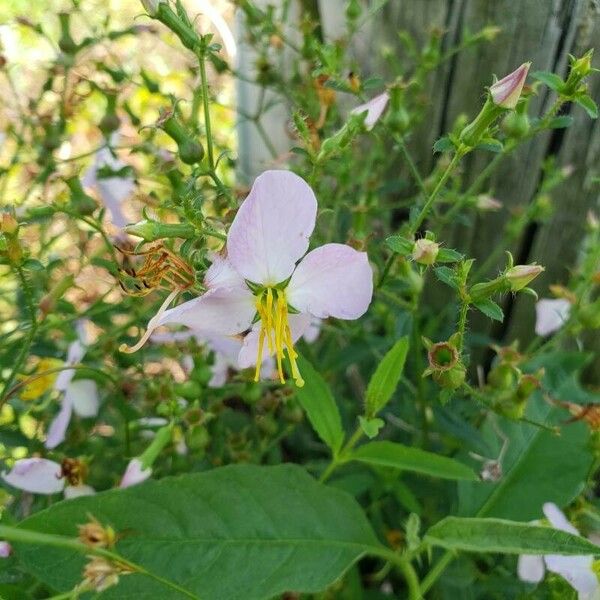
pixel 520 276
pixel 507 91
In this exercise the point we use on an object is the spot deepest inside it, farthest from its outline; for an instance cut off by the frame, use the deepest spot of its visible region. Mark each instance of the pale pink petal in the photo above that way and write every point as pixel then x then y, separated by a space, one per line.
pixel 75 491
pixel 171 337
pixel 83 396
pixel 530 568
pixel 225 345
pixel 313 332
pixel 507 91
pixel 374 108
pixel 272 227
pixel 222 274
pixel 5 549
pixel 551 315
pixel 58 428
pixel 134 473
pixel 332 281
pixel 36 475
pixel 63 379
pixel 219 371
pixel 557 518
pixel 299 323
pixel 222 311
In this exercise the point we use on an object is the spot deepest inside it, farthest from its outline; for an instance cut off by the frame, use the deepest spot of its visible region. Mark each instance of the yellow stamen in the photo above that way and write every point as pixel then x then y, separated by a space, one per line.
pixel 272 309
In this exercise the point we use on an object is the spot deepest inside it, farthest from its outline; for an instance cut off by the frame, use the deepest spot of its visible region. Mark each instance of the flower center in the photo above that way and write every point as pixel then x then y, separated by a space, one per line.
pixel 272 308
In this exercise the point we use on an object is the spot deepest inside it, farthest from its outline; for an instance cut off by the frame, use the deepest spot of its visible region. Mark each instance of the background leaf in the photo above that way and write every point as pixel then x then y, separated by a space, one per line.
pixel 240 532
pixel 397 456
pixel 386 377
pixel 320 407
pixel 508 537
pixel 538 466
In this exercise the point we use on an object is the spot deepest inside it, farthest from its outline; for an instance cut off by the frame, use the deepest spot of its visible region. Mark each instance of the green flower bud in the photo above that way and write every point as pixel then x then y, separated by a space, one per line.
pixel 425 251
pixel 190 150
pixel 150 231
pixel 516 125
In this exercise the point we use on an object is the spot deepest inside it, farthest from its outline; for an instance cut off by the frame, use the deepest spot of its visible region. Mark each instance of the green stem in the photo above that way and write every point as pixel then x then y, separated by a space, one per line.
pixel 436 571
pixel 22 354
pixel 14 534
pixel 411 164
pixel 204 83
pixel 341 457
pixel 440 184
pixel 415 591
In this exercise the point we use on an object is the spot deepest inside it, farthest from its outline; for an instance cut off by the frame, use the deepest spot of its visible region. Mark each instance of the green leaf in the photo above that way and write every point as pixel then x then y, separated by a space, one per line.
pixel 400 245
pixel 397 456
pixel 561 122
pixel 553 81
pixel 446 275
pixel 506 537
pixel 241 532
pixel 371 427
pixel 447 255
pixel 491 145
pixel 320 407
pixel 490 309
pixel 537 465
pixel 386 377
pixel 444 144
pixel 588 104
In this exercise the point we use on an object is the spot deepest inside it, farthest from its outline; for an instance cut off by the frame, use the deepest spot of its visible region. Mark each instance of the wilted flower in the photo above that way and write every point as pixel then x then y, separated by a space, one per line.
pixel 507 91
pixel 577 570
pixel 550 315
pixel 374 109
pixel 259 276
pixel 100 573
pixel 43 476
pixel 113 181
pixel 95 535
pixel 80 396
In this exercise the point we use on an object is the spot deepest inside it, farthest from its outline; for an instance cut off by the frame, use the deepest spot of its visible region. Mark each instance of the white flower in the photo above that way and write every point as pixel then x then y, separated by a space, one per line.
pixel 374 109
pixel 577 570
pixel 43 476
pixel 551 315
pixel 112 186
pixel 79 396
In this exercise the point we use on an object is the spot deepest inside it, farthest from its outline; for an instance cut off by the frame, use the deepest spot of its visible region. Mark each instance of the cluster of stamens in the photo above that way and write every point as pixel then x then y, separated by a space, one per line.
pixel 272 309
pixel 161 269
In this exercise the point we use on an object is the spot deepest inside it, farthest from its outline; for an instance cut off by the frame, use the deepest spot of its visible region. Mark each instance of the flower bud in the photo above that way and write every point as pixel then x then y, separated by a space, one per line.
pixel 582 67
pixel 150 231
pixel 520 276
pixel 151 6
pixel 506 92
pixel 485 202
pixel 190 150
pixel 516 125
pixel 9 224
pixel 425 251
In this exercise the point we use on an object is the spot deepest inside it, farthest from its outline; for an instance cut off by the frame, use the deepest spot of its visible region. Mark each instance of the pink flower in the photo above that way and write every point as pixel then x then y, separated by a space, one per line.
pixel 507 91
pixel 43 476
pixel 134 473
pixel 374 109
pixel 551 315
pixel 5 549
pixel 268 275
pixel 577 570
pixel 80 396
